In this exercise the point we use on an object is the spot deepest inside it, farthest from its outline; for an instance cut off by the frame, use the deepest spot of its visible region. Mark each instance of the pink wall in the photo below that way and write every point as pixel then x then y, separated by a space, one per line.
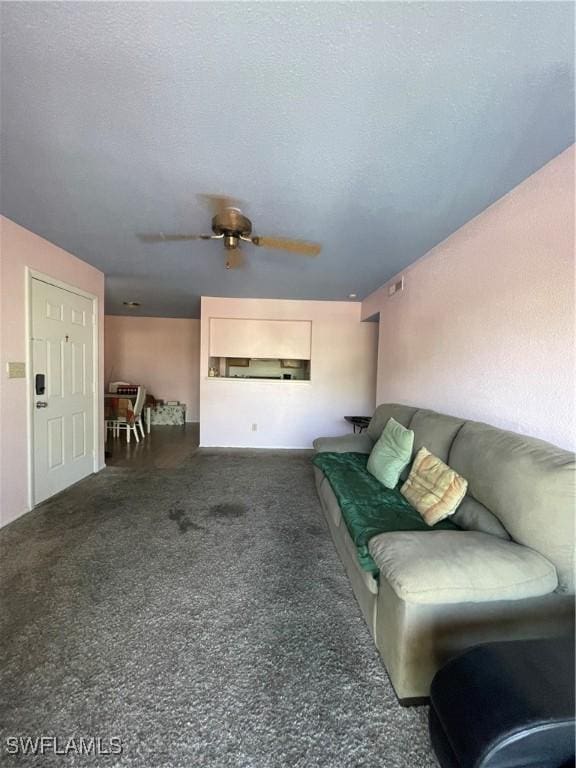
pixel 290 414
pixel 485 326
pixel 161 353
pixel 20 248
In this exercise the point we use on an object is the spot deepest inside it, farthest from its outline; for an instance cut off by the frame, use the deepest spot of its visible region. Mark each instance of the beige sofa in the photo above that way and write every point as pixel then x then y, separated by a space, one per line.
pixel 509 573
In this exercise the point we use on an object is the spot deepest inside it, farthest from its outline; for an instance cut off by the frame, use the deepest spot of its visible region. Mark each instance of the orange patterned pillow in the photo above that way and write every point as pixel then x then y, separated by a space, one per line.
pixel 433 488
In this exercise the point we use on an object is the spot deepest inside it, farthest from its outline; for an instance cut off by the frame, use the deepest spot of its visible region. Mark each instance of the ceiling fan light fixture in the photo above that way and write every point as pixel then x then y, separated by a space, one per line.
pixel 131 304
pixel 230 242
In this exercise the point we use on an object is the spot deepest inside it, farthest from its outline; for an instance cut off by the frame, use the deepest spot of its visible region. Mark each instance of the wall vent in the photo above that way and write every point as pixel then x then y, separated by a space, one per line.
pixel 396 287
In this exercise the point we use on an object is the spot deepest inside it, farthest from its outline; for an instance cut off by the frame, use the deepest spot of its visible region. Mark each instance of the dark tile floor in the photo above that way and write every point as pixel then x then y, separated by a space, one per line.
pixel 163 448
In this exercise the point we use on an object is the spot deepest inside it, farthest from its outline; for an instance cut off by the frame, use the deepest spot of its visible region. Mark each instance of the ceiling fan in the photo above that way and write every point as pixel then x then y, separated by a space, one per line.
pixel 231 226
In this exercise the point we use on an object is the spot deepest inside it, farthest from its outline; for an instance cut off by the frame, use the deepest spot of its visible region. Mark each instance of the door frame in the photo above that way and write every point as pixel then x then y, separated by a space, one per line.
pixel 33 274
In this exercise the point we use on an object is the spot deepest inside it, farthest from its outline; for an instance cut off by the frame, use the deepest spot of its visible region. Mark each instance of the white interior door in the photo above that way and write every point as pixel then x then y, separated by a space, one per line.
pixel 63 420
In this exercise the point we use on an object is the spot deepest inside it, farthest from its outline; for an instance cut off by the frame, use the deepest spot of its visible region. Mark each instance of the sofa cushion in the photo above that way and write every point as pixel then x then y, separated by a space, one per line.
pixel 435 432
pixel 433 488
pixel 340 532
pixel 344 444
pixel 460 566
pixel 402 414
pixel 473 516
pixel 528 484
pixel 391 453
pixel 370 579
pixel 368 507
pixel 329 500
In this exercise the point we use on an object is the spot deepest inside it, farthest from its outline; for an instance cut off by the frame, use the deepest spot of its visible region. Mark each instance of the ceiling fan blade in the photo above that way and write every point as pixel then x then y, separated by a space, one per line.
pixel 234 258
pixel 219 203
pixel 295 246
pixel 160 237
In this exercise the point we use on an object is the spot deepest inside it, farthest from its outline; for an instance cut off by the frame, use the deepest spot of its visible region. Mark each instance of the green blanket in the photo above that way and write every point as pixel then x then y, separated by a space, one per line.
pixel 368 507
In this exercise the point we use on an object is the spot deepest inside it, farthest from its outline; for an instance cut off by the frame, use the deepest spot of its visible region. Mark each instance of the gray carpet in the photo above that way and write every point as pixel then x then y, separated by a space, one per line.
pixel 203 616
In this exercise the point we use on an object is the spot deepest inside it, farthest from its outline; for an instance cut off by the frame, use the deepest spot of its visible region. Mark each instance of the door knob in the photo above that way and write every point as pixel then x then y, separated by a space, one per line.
pixel 41 404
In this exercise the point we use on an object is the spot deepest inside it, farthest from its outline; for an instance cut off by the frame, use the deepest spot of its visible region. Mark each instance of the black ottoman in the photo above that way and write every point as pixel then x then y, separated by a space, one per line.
pixel 506 705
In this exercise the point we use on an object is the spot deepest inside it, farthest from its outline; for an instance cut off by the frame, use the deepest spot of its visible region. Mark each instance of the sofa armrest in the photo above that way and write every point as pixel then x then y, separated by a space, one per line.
pixel 344 444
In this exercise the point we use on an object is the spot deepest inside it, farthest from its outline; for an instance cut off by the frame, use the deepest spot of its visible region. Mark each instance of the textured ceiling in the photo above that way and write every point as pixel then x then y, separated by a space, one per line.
pixel 375 128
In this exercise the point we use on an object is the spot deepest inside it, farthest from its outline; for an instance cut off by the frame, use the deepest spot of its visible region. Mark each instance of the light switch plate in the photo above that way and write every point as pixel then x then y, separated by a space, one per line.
pixel 16 370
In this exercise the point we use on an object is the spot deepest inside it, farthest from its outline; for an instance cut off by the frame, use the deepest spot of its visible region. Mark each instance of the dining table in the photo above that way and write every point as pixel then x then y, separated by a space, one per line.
pixel 146 411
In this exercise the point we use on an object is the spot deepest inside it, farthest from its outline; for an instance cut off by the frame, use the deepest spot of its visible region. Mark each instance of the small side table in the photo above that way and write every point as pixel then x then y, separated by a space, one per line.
pixel 358 422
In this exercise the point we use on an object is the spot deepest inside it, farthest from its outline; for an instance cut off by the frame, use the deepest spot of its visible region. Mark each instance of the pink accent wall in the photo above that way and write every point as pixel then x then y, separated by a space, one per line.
pixel 163 354
pixel 485 327
pixel 20 248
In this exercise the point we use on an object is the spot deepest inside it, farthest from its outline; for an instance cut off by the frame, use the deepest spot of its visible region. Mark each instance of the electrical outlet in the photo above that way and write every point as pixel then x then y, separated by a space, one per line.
pixel 254 427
